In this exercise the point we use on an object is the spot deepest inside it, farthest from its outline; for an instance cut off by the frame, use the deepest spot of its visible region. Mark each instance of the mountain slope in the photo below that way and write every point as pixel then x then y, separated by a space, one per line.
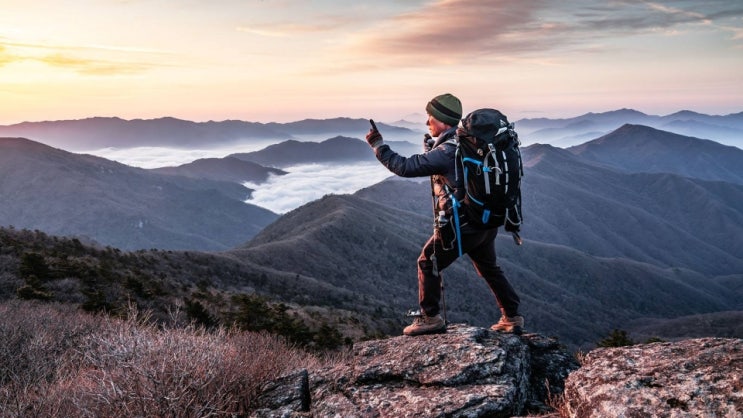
pixel 726 324
pixel 639 149
pixel 371 249
pixel 222 169
pixel 333 150
pixel 339 126
pixel 322 240
pixel 129 208
pixel 103 132
pixel 662 219
pixel 183 286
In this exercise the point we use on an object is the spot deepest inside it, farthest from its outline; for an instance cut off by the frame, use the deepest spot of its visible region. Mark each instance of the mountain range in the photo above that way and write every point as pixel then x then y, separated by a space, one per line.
pixel 113 204
pixel 609 241
pixel 103 132
pixel 727 129
pixel 339 149
pixel 369 249
pixel 637 148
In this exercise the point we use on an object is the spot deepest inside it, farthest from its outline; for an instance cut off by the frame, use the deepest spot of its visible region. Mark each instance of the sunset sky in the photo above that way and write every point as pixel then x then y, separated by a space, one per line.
pixel 286 60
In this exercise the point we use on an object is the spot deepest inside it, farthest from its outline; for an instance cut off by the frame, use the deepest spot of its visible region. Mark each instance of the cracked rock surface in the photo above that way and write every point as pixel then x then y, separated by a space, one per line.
pixel 690 378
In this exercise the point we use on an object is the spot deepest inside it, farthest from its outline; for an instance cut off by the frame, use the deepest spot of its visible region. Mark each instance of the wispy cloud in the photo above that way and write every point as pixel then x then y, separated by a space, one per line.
pixel 455 31
pixel 87 59
pixel 292 29
pixel 447 30
pixel 94 67
pixel 5 56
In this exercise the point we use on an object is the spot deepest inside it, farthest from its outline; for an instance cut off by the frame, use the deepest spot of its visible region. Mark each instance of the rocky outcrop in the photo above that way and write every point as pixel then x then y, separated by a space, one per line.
pixel 475 372
pixel 691 378
pixel 467 372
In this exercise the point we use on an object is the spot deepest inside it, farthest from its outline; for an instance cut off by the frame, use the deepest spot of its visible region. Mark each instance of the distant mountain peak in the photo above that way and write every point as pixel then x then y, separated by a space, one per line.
pixel 633 127
pixel 621 113
pixel 537 153
pixel 339 139
pixel 685 114
pixel 630 132
pixel 639 148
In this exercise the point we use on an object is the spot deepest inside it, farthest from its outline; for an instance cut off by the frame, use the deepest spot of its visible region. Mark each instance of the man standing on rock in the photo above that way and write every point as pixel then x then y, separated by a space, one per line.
pixel 438 161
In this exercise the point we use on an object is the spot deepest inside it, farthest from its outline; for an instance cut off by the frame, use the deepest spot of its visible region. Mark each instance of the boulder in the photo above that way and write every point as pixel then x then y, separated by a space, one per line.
pixel 466 372
pixel 284 397
pixel 475 372
pixel 690 378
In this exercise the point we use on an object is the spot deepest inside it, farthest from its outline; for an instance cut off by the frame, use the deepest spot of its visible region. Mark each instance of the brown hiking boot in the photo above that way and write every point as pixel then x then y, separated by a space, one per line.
pixel 514 324
pixel 425 325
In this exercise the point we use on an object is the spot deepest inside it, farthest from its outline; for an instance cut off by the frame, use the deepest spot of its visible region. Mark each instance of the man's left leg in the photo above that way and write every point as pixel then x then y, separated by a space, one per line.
pixel 485 261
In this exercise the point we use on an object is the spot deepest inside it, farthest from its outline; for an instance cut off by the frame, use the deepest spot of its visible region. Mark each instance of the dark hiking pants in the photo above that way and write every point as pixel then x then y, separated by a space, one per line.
pixel 480 247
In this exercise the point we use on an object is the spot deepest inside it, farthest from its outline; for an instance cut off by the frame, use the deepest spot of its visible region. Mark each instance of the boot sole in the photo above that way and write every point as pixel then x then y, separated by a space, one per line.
pixel 516 330
pixel 429 332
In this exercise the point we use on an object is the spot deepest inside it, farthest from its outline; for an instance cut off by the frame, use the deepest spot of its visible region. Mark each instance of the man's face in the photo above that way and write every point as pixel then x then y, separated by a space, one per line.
pixel 435 126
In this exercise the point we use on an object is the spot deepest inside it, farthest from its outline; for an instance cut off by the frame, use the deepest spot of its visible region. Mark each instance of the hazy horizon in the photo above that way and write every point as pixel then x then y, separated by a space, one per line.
pixel 413 118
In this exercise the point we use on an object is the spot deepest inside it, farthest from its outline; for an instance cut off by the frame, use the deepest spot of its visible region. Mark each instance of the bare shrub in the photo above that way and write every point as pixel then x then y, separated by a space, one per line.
pixel 34 339
pixel 131 367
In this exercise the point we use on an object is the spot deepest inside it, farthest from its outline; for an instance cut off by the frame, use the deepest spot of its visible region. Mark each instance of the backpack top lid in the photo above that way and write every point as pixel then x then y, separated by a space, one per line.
pixel 484 124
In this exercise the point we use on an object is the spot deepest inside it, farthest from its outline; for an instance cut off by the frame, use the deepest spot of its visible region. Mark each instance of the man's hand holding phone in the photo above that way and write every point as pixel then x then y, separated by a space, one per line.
pixel 374 138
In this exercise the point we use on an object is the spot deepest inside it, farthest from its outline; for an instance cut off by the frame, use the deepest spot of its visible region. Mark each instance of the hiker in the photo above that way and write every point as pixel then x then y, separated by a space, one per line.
pixel 439 161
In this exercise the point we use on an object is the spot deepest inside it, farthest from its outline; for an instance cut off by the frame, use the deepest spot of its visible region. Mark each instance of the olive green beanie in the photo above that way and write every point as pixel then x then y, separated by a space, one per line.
pixel 445 108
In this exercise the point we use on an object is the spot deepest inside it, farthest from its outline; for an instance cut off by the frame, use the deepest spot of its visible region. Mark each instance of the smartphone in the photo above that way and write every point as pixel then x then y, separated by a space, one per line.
pixel 374 125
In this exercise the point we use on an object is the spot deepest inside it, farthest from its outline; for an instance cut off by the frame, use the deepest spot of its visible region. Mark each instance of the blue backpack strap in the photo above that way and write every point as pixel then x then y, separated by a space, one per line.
pixel 455 214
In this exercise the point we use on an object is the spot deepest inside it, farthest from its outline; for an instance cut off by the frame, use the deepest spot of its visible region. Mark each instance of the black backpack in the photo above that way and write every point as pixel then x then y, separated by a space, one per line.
pixel 491 168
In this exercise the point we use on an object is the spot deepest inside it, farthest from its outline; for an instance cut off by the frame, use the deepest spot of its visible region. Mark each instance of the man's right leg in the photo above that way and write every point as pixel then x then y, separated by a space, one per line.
pixel 429 284
pixel 429 288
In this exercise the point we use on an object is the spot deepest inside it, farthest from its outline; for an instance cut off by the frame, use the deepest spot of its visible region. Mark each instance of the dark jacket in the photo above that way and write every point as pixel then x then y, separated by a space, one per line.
pixel 439 162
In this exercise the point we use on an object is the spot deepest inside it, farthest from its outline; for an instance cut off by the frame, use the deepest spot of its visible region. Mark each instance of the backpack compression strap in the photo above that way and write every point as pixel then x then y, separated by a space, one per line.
pixel 455 214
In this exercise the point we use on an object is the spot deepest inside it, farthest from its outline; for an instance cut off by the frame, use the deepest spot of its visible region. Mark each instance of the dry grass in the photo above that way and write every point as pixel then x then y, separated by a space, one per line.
pixel 559 406
pixel 58 362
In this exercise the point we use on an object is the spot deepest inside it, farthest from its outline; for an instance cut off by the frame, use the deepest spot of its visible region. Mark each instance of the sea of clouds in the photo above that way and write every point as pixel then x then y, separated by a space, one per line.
pixel 309 182
pixel 280 194
pixel 156 157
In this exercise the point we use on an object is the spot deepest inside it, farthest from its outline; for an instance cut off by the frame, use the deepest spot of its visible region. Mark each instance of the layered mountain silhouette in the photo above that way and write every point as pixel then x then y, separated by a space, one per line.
pixel 129 208
pixel 323 128
pixel 727 129
pixel 604 246
pixel 663 219
pixel 641 149
pixel 609 241
pixel 101 132
pixel 339 149
pixel 370 249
